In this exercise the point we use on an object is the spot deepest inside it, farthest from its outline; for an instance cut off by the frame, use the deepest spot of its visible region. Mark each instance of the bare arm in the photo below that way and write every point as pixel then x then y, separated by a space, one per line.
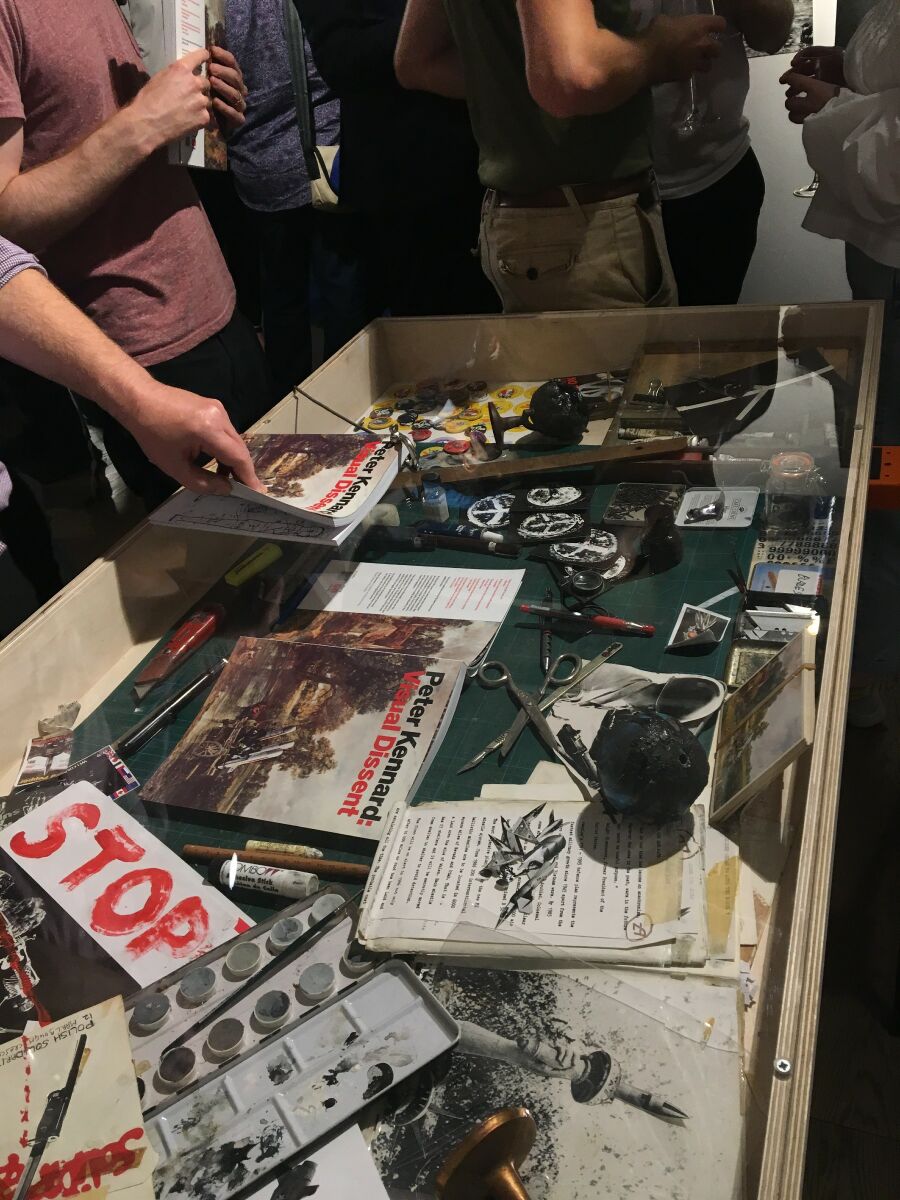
pixel 41 205
pixel 427 58
pixel 40 329
pixel 765 24
pixel 575 67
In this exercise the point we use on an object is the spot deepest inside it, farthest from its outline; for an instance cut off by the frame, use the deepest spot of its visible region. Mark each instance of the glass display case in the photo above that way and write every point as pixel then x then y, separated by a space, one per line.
pixel 754 426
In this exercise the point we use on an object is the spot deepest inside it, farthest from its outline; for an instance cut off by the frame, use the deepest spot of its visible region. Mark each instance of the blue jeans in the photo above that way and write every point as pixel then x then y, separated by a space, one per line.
pixel 876 649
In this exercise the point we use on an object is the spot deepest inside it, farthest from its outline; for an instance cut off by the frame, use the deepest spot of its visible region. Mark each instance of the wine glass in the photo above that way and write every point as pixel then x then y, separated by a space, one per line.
pixel 807 192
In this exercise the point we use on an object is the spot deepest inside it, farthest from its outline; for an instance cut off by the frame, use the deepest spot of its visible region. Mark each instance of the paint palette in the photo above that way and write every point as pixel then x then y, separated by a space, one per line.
pixel 242 1124
pixel 159 1014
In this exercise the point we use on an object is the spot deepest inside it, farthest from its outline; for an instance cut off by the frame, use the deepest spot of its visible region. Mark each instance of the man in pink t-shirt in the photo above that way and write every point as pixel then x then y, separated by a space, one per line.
pixel 85 182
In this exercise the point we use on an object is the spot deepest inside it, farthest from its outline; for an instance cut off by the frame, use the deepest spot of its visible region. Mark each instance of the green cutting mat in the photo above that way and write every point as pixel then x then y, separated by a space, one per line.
pixel 481 713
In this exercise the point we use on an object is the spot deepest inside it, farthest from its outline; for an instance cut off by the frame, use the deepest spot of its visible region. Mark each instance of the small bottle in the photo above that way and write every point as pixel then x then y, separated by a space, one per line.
pixel 273 881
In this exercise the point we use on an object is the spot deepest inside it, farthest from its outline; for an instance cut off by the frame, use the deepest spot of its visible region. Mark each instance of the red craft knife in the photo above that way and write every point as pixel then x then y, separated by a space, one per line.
pixel 197 629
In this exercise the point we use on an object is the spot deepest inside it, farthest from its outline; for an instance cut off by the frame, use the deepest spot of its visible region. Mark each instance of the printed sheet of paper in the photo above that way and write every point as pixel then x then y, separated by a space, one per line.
pixel 102 1148
pixel 341 1170
pixel 550 876
pixel 407 591
pixel 147 909
pixel 229 514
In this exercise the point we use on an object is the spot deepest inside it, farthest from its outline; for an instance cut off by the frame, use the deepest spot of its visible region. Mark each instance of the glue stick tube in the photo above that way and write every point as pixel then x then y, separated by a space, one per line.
pixel 273 881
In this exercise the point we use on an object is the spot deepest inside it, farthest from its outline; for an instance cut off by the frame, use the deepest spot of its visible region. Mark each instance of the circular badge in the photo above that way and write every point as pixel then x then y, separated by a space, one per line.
pixel 508 393
pixel 379 421
pixel 454 425
pixel 599 547
pixel 460 446
pixel 383 406
pixel 553 497
pixel 407 419
pixel 474 412
pixel 421 433
pixel 491 512
pixel 549 526
pixel 477 387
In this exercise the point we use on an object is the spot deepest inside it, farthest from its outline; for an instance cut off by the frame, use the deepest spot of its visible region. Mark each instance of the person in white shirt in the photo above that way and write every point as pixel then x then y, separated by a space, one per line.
pixel 850 116
pixel 711 184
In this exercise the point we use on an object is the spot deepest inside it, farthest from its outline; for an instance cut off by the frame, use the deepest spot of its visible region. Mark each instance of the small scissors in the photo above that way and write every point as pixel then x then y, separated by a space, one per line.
pixel 496 674
pixel 561 671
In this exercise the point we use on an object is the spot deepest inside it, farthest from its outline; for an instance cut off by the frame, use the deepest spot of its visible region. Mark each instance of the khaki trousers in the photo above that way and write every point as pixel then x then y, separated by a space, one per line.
pixel 606 255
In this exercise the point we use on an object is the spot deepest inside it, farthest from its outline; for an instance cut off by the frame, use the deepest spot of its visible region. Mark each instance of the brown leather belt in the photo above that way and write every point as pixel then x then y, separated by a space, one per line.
pixel 585 193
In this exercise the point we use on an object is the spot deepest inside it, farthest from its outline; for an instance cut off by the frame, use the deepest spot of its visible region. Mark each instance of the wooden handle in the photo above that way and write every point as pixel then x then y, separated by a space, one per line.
pixel 275 858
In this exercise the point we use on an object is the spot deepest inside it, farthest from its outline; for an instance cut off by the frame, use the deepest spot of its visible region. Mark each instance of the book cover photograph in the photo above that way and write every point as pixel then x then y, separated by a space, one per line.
pixel 316 736
pixel 188 25
pixel 331 479
pixel 427 637
pixel 634 1087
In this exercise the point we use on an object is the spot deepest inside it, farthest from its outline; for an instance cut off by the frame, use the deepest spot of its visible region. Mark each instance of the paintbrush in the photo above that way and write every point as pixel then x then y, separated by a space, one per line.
pixel 271 968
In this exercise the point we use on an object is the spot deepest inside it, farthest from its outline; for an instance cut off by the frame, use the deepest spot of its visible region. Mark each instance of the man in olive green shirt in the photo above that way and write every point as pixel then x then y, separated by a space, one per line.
pixel 559 98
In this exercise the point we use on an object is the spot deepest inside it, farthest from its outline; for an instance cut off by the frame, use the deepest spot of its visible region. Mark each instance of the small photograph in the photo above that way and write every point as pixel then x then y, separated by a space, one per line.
pixel 630 501
pixel 698 629
pixel 765 726
pixel 45 758
pixel 718 508
pixel 761 686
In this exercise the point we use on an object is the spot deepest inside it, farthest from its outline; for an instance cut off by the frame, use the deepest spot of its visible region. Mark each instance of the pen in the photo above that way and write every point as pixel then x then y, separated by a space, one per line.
pixel 165 713
pixel 612 624
pixel 546 637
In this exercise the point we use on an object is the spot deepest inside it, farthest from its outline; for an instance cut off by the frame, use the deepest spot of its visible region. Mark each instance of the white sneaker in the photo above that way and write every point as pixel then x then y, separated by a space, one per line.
pixel 865 708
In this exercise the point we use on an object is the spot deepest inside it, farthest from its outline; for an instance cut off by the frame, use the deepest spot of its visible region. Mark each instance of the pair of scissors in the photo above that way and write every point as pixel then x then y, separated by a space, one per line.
pixel 545 704
pixel 495 674
pixel 559 673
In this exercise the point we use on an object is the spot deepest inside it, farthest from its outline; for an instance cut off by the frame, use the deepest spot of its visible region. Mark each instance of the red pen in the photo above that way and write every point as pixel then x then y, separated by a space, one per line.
pixel 612 624
pixel 197 629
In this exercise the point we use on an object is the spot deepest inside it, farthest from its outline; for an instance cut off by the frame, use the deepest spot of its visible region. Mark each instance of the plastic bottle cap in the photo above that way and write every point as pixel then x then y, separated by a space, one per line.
pixel 225 1038
pixel 197 986
pixel 324 906
pixel 271 1009
pixel 283 932
pixel 316 982
pixel 243 959
pixel 151 1013
pixel 176 1067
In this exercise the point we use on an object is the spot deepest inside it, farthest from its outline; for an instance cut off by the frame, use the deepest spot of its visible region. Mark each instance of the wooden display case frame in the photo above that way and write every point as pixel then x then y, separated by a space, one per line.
pixel 85 640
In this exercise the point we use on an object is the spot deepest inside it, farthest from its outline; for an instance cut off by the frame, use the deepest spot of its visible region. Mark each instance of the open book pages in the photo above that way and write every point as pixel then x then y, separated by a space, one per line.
pixel 538 883
pixel 248 518
pixel 312 735
pixel 330 479
pixel 436 611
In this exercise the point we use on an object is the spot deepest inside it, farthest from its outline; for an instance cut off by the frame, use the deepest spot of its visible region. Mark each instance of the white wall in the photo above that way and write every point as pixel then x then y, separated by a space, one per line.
pixel 790 265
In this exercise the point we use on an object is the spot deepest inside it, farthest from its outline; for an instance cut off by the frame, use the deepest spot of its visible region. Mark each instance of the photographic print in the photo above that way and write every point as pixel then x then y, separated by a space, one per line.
pixel 698 628
pixel 628 1096
pixel 801 34
pixel 306 734
pixel 630 501
pixel 765 725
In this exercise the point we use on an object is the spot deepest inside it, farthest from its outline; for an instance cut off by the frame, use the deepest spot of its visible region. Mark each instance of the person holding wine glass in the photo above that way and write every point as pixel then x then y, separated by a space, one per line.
pixel 850 113
pixel 710 181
